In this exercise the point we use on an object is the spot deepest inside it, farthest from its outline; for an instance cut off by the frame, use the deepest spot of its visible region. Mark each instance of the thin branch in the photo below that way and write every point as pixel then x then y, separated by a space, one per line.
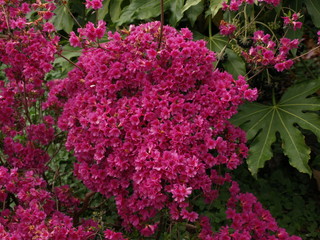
pixel 162 23
pixel 7 20
pixel 68 9
pixel 313 49
pixel 257 73
pixel 85 205
pixel 60 55
pixel 26 108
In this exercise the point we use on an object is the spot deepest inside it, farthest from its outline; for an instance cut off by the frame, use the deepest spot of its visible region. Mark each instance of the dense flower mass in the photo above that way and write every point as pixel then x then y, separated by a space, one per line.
pixel 147 124
pixel 28 53
pixel 28 209
pixel 34 215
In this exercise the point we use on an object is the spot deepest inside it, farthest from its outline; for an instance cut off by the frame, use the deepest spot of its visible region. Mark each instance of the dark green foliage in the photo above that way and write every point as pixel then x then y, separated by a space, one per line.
pixel 291 197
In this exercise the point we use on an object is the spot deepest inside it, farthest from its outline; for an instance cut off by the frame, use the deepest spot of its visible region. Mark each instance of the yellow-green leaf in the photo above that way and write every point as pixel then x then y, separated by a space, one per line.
pixel 102 12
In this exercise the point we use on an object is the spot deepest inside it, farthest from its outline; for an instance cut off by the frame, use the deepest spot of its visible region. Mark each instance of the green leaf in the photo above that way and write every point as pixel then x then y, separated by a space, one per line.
pixel 62 19
pixel 141 9
pixel 234 64
pixel 262 122
pixel 217 42
pixel 68 52
pixel 193 12
pixel 295 5
pixel 176 9
pixel 189 4
pixel 313 7
pixel 102 12
pixel 215 6
pixel 115 10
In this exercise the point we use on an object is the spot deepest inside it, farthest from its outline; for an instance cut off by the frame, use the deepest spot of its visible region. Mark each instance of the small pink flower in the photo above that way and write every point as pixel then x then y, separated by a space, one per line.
pixel 111 235
pixel 296 25
pixel 190 216
pixel 74 40
pixel 280 67
pixel 180 192
pixel 95 4
pixel 293 21
pixel 48 27
pixel 48 15
pixel 226 28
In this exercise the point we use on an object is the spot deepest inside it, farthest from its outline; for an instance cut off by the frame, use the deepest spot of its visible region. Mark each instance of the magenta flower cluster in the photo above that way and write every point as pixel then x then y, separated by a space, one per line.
pixel 149 125
pixel 28 209
pixel 249 220
pixel 266 52
pixel 35 215
pixel 88 35
pixel 28 53
pixel 94 4
pixel 292 21
pixel 143 122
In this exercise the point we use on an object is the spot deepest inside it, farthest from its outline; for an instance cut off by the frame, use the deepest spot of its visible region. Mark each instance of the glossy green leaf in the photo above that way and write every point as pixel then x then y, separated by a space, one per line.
pixel 102 12
pixel 62 19
pixel 313 7
pixel 262 122
pixel 176 9
pixel 234 64
pixel 193 12
pixel 141 10
pixel 115 10
pixel 215 6
pixel 189 4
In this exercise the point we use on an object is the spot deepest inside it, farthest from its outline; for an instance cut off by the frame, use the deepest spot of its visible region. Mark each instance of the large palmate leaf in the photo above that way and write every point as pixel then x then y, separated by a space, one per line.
pixel 261 122
pixel 217 43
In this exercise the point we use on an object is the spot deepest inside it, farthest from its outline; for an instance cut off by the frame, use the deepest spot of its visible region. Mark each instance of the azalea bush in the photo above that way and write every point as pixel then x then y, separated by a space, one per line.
pixel 137 137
